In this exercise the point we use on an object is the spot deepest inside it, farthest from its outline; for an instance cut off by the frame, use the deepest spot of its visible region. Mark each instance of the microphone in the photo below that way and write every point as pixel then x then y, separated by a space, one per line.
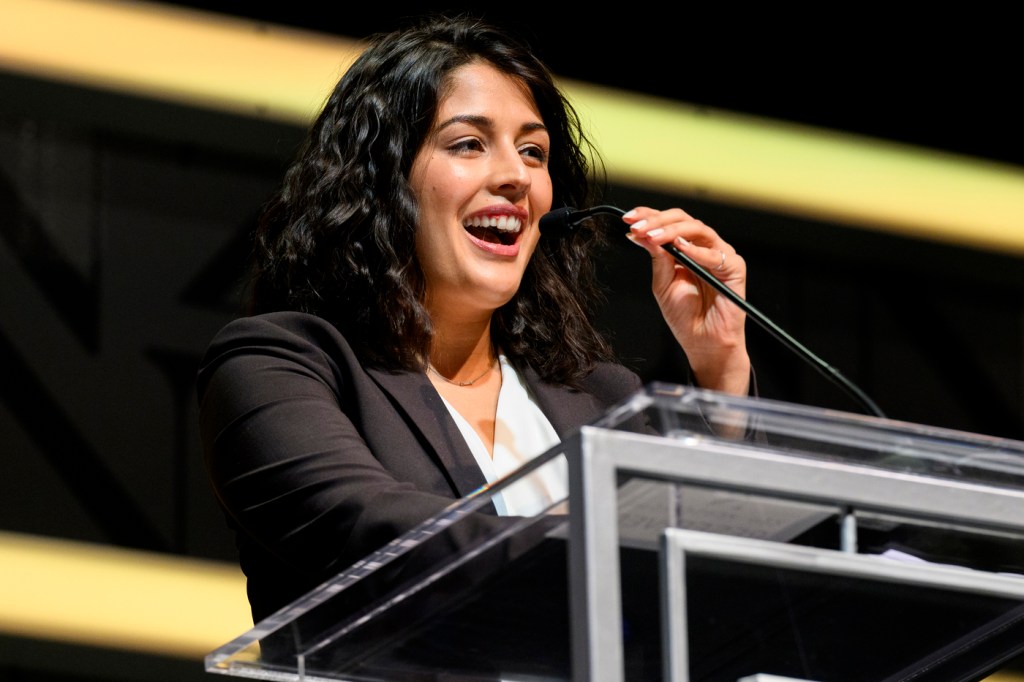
pixel 564 220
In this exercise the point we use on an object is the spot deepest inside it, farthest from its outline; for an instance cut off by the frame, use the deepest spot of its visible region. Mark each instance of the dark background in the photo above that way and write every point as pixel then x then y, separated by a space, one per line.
pixel 123 226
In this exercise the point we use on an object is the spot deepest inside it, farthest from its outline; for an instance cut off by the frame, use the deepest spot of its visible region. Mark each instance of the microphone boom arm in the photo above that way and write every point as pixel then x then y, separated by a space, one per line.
pixel 574 217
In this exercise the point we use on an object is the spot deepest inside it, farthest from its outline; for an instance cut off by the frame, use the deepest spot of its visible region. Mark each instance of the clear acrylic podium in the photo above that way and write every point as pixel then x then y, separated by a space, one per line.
pixel 704 538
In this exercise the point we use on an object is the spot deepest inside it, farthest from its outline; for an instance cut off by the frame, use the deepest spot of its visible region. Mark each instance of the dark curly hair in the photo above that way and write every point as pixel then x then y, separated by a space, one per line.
pixel 338 239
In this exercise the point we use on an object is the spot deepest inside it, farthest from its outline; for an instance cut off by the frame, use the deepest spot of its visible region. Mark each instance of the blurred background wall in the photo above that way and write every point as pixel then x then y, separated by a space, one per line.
pixel 125 204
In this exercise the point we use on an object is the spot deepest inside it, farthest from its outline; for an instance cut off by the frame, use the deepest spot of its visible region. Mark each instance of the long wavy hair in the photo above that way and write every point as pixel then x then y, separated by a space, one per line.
pixel 338 238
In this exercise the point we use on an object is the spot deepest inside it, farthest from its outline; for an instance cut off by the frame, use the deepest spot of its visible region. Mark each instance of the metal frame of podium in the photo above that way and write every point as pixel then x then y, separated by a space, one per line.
pixel 602 454
pixel 778 468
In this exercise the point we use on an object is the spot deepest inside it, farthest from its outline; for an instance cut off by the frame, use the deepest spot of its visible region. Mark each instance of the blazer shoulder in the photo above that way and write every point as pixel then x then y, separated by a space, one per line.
pixel 611 382
pixel 269 338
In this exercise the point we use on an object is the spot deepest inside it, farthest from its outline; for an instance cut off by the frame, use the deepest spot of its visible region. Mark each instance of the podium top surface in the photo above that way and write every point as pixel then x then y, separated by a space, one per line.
pixel 682 412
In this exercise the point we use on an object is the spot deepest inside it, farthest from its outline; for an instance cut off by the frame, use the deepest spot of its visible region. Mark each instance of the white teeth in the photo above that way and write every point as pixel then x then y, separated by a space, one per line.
pixel 502 224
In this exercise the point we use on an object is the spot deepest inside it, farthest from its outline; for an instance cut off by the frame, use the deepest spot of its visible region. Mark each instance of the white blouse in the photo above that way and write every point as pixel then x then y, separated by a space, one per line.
pixel 521 432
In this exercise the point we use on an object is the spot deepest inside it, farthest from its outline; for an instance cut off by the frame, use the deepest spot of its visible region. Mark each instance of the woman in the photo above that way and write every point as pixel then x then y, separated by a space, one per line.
pixel 412 334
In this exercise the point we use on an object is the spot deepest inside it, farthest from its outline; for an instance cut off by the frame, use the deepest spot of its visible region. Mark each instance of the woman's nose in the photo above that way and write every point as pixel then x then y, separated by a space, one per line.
pixel 510 174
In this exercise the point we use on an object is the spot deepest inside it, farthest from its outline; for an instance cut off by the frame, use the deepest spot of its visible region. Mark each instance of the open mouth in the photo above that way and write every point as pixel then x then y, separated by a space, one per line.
pixel 496 230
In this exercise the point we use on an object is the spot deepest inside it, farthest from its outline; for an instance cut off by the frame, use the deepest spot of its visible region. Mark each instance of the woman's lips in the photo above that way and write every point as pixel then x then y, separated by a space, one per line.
pixel 497 234
pixel 496 248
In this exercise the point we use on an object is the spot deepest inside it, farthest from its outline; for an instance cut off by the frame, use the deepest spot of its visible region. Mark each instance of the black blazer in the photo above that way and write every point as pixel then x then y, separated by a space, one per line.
pixel 318 461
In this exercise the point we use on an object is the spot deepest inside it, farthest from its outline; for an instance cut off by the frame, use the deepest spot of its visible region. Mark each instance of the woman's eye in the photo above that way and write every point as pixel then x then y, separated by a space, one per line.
pixel 466 145
pixel 535 152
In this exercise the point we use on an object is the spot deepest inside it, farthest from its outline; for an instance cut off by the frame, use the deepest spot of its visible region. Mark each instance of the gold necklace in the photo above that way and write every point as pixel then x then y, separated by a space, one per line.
pixel 460 383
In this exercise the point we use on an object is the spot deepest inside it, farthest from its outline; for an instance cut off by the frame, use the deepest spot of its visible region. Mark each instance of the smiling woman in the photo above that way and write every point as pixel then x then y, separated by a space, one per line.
pixel 411 335
pixel 481 180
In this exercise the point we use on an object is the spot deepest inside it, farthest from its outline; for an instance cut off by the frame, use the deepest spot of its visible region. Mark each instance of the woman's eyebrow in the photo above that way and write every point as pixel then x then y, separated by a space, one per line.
pixel 480 121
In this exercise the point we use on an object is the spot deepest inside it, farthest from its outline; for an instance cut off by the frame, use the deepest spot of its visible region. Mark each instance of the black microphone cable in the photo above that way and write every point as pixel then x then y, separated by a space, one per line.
pixel 566 218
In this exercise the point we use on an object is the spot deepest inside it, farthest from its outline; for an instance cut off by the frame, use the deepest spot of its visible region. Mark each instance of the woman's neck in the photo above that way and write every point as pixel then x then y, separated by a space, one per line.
pixel 462 348
pixel 464 369
pixel 457 358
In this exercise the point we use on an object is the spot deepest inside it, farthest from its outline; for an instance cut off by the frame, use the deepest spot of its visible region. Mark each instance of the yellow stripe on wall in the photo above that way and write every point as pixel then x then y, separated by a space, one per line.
pixel 115 598
pixel 186 56
pixel 262 70
pixel 806 171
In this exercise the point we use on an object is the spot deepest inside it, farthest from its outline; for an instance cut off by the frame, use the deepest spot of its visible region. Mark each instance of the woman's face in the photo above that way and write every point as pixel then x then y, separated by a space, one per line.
pixel 481 181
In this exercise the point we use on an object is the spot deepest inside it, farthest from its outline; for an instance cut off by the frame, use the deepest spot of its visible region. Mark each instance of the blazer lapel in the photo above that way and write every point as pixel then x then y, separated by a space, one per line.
pixel 424 410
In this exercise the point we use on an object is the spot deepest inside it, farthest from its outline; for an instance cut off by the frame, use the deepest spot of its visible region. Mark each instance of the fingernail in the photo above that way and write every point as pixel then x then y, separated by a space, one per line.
pixel 682 242
pixel 629 214
pixel 638 225
pixel 655 232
